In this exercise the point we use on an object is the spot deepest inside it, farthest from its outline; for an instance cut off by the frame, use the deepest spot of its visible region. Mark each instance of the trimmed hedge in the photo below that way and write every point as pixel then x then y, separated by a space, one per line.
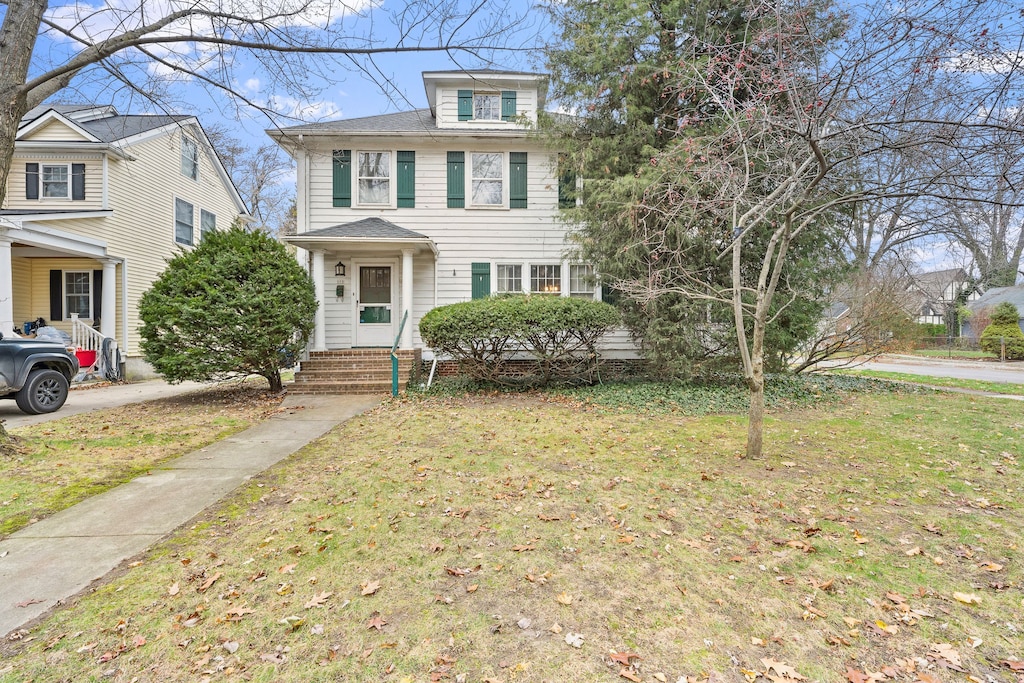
pixel 1004 325
pixel 492 337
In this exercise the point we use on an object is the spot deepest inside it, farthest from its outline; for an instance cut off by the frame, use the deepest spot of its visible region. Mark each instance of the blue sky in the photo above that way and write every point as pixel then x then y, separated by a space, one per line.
pixel 395 84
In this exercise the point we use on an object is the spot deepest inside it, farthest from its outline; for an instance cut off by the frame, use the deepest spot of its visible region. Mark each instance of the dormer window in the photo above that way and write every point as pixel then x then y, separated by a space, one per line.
pixel 487 106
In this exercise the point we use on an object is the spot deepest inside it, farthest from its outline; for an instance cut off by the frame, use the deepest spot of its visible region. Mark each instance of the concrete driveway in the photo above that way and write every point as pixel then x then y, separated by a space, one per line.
pixel 85 398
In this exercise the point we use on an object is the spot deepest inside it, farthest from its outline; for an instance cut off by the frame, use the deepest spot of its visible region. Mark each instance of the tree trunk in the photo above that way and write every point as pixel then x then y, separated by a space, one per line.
pixel 755 417
pixel 276 385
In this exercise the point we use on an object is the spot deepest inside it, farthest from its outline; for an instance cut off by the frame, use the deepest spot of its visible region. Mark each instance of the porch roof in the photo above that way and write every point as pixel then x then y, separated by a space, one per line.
pixel 362 235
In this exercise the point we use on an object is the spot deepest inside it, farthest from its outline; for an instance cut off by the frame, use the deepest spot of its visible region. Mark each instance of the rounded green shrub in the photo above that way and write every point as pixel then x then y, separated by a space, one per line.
pixel 1005 327
pixel 521 339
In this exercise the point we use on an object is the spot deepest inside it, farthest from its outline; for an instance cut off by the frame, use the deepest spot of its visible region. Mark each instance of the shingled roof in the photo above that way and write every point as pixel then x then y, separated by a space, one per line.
pixel 366 228
pixel 107 128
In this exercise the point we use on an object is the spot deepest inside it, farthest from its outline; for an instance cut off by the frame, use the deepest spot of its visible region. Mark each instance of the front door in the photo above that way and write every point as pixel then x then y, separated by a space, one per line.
pixel 374 320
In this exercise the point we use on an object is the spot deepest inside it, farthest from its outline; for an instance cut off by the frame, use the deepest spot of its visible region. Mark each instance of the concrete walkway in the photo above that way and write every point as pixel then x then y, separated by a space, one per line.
pixel 53 559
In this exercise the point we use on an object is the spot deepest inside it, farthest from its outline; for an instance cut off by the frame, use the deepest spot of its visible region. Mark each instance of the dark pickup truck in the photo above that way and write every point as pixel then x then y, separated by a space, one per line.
pixel 36 374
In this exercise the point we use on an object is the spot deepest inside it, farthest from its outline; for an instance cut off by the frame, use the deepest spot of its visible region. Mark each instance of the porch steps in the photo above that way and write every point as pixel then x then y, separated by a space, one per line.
pixel 354 371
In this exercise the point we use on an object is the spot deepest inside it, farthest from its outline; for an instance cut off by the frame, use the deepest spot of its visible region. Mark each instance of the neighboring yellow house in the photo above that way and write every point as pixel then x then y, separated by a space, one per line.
pixel 96 203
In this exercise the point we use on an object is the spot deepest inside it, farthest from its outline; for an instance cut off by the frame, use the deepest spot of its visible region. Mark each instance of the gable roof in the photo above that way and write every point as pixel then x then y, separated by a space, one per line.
pixel 367 228
pixel 100 122
pixel 997 295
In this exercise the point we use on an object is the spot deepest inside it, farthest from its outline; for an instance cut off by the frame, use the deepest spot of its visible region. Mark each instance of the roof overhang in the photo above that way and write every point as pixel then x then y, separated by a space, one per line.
pixel 360 244
pixel 41 240
pixel 50 116
pixel 57 146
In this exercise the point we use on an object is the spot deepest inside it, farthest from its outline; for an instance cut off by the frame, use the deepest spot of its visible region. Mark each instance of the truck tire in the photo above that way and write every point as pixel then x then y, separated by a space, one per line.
pixel 44 392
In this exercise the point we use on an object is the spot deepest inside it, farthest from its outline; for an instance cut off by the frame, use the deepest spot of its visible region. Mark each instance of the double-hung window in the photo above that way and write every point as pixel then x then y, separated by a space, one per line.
pixel 184 222
pixel 56 181
pixel 487 179
pixel 189 158
pixel 207 223
pixel 546 279
pixel 510 278
pixel 374 178
pixel 77 293
pixel 581 281
pixel 487 106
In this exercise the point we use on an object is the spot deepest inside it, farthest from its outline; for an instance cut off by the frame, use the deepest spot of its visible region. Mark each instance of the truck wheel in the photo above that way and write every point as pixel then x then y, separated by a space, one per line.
pixel 44 392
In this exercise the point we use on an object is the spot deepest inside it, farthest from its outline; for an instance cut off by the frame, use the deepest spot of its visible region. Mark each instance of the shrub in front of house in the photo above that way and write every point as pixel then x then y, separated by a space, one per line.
pixel 520 339
pixel 1005 326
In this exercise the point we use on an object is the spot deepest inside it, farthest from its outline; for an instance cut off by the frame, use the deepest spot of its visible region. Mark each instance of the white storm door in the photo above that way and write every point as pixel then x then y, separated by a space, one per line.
pixel 375 310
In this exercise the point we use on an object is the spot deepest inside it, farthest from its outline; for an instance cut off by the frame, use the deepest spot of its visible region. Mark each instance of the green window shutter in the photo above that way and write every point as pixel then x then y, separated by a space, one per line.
pixel 456 180
pixel 481 280
pixel 517 180
pixel 610 295
pixel 508 105
pixel 406 180
pixel 342 177
pixel 465 105
pixel 566 183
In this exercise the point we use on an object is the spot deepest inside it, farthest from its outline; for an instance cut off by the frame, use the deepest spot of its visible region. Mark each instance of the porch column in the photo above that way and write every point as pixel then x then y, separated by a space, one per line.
pixel 108 300
pixel 407 297
pixel 319 321
pixel 6 286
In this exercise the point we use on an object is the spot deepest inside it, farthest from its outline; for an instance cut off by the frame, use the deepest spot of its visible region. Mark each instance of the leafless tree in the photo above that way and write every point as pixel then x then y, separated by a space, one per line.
pixel 148 45
pixel 788 118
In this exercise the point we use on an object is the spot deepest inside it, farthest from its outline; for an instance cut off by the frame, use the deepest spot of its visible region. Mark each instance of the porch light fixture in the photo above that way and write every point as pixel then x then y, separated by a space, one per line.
pixel 339 269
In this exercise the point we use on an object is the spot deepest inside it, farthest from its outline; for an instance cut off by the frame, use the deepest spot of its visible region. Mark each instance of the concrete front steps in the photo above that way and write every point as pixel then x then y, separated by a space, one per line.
pixel 354 371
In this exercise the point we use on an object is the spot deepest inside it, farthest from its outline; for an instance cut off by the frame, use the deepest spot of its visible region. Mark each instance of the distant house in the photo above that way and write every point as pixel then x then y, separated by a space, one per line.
pixel 932 296
pixel 95 204
pixel 988 301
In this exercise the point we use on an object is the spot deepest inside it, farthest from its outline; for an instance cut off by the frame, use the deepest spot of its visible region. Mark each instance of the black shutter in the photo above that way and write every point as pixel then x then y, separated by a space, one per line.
pixel 97 294
pixel 56 295
pixel 78 181
pixel 31 181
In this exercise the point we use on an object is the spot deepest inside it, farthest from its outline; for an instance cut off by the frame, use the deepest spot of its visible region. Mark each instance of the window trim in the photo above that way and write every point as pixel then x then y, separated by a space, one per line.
pixel 203 213
pixel 192 225
pixel 187 140
pixel 65 294
pixel 391 178
pixel 497 110
pixel 42 182
pixel 503 167
pixel 498 265
pixel 548 264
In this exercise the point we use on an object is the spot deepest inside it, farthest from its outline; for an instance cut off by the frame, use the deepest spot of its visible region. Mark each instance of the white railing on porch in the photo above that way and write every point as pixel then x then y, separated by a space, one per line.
pixel 87 338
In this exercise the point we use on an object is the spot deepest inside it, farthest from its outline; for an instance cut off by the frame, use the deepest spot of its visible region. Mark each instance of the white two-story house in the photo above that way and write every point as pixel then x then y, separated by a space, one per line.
pixel 95 204
pixel 399 213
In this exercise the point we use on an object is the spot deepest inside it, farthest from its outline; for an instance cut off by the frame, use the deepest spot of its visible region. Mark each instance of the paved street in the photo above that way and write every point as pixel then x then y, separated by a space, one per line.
pixel 988 371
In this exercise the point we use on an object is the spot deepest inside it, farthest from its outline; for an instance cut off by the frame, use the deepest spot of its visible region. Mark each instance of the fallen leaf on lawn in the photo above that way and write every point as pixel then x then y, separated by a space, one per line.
pixel 851 622
pixel 293 621
pixel 574 639
pixel 781 669
pixel 947 652
pixel 916 550
pixel 629 675
pixel 623 657
pixel 788 463
pixel 138 641
pixel 472 588
pixel 284 588
pixel 30 601
pixel 318 599
pixel 173 589
pixel 231 646
pixel 761 642
pixel 210 581
pixel 522 548
pixel 369 587
pixel 974 642
pixel 967 598
pixel 377 621
pixel 990 566
pixel 855 676
pixel 1014 664
pixel 287 568
pixel 273 658
pixel 555 628
pixel 564 598
pixel 236 613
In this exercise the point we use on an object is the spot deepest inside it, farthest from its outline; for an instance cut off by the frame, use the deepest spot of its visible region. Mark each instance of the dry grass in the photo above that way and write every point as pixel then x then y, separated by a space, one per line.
pixel 480 534
pixel 56 464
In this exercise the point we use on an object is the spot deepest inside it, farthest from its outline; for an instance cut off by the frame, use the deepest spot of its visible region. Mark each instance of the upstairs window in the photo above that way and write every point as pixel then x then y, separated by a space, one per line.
pixel 487 106
pixel 375 178
pixel 207 223
pixel 184 221
pixel 189 158
pixel 56 181
pixel 487 179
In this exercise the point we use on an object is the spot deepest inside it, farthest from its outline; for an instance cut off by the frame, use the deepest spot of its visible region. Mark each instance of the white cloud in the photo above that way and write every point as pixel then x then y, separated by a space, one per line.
pixel 303 110
pixel 252 85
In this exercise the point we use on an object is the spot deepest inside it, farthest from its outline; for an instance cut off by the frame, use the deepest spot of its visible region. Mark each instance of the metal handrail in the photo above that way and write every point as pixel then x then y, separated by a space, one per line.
pixel 394 356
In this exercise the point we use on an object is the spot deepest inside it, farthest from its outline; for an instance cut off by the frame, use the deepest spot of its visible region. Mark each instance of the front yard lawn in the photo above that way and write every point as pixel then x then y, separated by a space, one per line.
pixel 56 464
pixel 556 537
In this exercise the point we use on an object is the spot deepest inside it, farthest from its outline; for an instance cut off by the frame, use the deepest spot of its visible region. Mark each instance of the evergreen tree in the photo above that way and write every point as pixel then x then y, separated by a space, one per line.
pixel 237 304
